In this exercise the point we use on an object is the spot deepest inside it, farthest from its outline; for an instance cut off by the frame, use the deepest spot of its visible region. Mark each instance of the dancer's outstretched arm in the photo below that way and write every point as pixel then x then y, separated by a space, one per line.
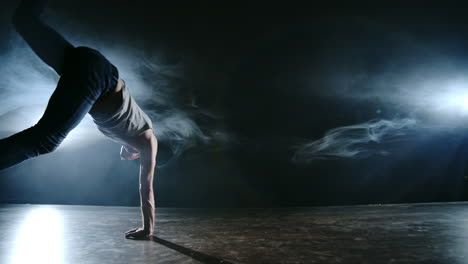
pixel 147 167
pixel 49 45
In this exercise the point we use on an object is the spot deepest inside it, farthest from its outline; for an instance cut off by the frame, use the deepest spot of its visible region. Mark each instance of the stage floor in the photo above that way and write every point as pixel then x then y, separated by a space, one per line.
pixel 409 233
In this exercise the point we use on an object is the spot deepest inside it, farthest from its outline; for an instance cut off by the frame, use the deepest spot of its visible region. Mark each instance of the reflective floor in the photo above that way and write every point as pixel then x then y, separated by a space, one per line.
pixel 410 233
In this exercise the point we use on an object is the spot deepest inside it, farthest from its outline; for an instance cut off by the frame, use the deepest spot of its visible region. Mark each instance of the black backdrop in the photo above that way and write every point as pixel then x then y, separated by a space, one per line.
pixel 266 71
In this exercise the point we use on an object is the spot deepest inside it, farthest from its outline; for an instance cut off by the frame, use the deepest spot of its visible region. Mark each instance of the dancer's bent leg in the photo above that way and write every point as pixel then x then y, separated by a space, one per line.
pixel 86 76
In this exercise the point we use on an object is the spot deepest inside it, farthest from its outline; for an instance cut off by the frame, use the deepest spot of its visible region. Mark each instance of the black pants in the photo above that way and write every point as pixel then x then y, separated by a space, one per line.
pixel 85 75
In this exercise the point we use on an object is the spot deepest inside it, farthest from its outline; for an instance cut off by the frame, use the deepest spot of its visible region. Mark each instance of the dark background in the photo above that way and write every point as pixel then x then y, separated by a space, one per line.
pixel 270 73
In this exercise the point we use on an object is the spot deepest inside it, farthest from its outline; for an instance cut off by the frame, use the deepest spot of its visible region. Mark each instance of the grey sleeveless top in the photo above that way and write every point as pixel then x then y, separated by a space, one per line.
pixel 127 121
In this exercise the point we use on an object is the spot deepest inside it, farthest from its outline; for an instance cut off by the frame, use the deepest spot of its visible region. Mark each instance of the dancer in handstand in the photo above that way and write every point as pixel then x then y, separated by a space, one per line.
pixel 88 83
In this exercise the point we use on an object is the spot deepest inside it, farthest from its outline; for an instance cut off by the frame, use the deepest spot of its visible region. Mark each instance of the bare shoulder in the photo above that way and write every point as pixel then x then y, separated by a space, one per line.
pixel 147 140
pixel 144 142
pixel 147 136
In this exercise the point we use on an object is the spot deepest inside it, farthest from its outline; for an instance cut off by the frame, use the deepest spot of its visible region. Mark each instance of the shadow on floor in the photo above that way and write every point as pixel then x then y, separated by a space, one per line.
pixel 203 258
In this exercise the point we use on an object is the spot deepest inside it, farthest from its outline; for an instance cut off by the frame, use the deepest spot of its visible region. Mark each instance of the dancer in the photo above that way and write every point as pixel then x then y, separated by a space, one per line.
pixel 88 83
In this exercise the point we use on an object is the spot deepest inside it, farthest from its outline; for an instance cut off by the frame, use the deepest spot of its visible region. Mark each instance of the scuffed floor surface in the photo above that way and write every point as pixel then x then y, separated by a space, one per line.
pixel 410 233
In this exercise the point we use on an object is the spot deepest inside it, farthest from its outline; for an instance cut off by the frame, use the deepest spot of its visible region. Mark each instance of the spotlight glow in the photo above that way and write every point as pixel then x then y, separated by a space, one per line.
pixel 444 100
pixel 459 101
pixel 451 102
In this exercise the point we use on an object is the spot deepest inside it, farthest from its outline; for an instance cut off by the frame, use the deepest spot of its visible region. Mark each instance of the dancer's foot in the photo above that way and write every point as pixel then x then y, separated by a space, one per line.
pixel 138 234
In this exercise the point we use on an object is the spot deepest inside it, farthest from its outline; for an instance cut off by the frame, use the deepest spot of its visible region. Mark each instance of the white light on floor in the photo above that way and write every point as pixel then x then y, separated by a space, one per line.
pixel 40 238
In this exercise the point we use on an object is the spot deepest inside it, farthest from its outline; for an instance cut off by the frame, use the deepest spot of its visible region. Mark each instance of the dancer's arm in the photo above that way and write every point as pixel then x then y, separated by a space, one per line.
pixel 147 169
pixel 49 45
pixel 148 163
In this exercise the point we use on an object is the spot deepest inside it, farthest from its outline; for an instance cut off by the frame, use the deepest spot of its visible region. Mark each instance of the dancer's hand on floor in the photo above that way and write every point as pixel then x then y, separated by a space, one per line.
pixel 138 234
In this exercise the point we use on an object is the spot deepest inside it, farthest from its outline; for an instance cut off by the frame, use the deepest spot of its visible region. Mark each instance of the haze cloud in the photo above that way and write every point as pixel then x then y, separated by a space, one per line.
pixel 417 87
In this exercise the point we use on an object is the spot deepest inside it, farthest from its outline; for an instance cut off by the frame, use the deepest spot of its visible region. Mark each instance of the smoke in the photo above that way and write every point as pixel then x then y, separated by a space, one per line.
pixel 161 89
pixel 357 141
pixel 391 74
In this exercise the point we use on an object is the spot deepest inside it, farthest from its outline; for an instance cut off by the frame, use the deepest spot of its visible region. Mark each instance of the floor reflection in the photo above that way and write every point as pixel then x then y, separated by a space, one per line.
pixel 40 238
pixel 404 233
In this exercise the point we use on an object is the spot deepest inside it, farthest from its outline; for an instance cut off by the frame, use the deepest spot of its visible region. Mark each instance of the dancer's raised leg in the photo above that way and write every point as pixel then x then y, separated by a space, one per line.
pixel 85 76
pixel 47 43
